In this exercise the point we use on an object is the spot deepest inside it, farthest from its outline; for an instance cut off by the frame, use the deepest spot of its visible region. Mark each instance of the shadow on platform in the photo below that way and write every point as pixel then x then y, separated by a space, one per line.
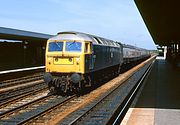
pixel 162 88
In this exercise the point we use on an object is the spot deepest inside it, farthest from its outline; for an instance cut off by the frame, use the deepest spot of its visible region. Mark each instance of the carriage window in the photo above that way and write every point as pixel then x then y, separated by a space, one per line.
pixel 73 46
pixel 55 46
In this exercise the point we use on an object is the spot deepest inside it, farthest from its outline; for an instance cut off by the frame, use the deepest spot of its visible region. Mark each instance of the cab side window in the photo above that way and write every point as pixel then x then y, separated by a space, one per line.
pixel 90 48
pixel 86 48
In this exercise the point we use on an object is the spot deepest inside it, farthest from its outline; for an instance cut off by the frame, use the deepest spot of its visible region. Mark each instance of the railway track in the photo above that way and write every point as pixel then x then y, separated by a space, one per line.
pixel 20 86
pixel 22 80
pixel 48 112
pixel 29 111
pixel 20 100
pixel 21 90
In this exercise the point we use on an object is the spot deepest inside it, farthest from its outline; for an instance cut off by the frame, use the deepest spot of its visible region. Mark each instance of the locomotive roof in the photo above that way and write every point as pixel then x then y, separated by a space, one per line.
pixel 71 35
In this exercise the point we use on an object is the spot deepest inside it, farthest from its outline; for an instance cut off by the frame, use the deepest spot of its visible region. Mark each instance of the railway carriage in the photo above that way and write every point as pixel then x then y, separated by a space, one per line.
pixel 75 60
pixel 133 54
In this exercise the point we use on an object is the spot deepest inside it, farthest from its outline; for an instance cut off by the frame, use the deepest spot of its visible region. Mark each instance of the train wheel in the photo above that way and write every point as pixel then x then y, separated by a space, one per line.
pixel 80 88
pixel 51 88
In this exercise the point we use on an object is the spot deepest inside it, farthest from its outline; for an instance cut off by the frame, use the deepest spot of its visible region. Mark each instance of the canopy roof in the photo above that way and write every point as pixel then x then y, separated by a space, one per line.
pixel 14 34
pixel 162 18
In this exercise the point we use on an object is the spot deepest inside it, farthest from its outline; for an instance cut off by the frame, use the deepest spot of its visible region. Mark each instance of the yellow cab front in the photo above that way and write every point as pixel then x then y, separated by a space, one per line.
pixel 64 56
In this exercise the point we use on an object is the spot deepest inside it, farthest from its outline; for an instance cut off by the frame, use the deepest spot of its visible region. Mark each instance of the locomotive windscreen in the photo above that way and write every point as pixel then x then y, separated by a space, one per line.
pixel 73 46
pixel 55 46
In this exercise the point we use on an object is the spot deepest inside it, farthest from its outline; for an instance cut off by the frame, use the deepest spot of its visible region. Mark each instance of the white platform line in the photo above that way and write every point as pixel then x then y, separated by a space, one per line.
pixel 19 70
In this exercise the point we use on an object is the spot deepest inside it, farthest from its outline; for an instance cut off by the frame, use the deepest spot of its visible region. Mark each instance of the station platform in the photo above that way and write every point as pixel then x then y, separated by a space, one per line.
pixel 159 101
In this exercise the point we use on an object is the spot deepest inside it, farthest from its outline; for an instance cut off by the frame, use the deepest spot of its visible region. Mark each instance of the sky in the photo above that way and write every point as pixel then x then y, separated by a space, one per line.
pixel 117 20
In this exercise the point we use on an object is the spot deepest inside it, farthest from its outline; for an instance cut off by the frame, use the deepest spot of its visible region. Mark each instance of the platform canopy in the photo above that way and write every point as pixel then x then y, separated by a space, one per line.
pixel 14 34
pixel 162 18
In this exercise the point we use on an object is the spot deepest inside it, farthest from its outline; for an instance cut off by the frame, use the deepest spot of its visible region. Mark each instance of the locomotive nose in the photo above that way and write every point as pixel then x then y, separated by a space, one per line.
pixel 47 77
pixel 75 77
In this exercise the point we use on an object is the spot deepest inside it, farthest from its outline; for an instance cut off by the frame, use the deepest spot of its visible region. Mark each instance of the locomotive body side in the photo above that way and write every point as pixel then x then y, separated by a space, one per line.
pixel 105 57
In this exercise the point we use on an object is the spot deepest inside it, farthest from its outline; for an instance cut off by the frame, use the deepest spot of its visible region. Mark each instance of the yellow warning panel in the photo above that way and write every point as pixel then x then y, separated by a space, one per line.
pixel 63 61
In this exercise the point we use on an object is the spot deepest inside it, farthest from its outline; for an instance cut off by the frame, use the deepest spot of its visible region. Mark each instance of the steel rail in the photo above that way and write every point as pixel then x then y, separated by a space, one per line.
pixel 25 88
pixel 26 121
pixel 20 81
pixel 20 78
pixel 3 104
pixel 23 106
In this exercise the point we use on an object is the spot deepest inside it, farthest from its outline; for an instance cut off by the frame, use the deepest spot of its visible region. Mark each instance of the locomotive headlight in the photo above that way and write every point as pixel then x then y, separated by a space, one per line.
pixel 77 61
pixel 56 59
pixel 70 59
pixel 49 58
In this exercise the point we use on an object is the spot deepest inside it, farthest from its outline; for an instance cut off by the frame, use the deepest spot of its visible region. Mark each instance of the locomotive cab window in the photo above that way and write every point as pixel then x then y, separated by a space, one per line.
pixel 87 47
pixel 55 46
pixel 73 46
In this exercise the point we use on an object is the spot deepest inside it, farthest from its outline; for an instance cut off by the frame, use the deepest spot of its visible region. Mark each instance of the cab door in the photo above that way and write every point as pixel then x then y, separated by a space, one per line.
pixel 89 57
pixel 92 57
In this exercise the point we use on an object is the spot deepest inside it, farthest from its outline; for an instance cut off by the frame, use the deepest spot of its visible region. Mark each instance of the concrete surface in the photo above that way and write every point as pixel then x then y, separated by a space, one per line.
pixel 159 101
